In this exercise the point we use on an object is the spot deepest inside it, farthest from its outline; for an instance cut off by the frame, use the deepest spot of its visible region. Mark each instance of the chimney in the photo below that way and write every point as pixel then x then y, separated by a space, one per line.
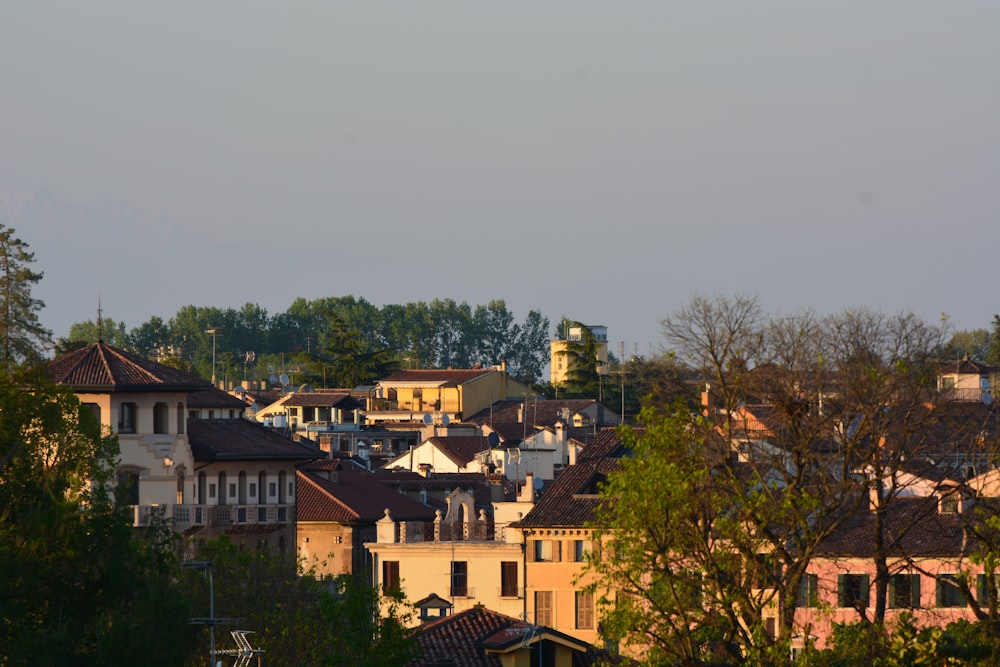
pixel 528 489
pixel 572 454
pixel 708 407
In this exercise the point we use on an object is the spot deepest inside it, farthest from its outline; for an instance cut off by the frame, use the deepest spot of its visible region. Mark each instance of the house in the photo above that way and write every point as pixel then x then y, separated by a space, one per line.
pixel 466 556
pixel 558 536
pixel 483 637
pixel 245 484
pixel 450 394
pixel 205 476
pixel 337 513
pixel 967 380
pixel 145 404
pixel 929 561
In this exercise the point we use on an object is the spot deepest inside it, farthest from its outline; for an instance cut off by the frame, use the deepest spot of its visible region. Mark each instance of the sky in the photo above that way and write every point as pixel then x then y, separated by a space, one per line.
pixel 595 160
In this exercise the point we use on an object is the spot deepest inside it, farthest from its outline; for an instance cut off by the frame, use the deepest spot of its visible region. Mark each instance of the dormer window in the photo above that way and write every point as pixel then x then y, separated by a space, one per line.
pixel 949 503
pixel 593 485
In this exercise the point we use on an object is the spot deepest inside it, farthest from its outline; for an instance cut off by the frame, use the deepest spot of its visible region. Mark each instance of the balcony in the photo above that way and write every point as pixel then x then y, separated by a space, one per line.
pixel 230 516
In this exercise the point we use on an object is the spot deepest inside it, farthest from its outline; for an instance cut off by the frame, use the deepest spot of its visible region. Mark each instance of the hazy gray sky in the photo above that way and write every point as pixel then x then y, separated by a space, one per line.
pixel 597 160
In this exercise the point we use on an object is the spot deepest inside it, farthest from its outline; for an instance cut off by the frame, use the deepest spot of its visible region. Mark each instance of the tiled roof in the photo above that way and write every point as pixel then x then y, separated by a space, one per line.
pixel 102 368
pixel 566 503
pixel 442 377
pixel 913 528
pixel 606 444
pixel 965 367
pixel 354 497
pixel 462 639
pixel 461 449
pixel 447 482
pixel 242 440
pixel 210 397
pixel 323 399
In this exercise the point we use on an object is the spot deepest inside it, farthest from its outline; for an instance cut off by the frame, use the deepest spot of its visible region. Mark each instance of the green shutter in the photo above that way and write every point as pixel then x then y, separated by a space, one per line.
pixel 915 590
pixel 892 591
pixel 939 591
pixel 841 597
pixel 864 590
pixel 982 590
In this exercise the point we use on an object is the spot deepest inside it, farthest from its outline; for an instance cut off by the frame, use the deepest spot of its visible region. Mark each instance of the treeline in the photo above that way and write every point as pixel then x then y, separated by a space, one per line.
pixel 333 341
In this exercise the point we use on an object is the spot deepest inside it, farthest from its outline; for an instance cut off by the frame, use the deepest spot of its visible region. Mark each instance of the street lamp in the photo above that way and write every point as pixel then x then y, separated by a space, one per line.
pixel 211 332
pixel 211 621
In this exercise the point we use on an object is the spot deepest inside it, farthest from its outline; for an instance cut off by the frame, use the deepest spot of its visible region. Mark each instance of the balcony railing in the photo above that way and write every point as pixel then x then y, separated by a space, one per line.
pixel 190 516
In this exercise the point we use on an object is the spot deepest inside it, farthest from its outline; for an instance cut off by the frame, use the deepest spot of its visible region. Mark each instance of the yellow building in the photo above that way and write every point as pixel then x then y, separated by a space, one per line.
pixel 447 395
pixel 562 363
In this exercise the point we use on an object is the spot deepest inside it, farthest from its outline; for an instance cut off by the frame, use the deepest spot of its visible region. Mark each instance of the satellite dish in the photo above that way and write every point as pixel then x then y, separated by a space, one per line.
pixel 493 439
pixel 284 379
pixel 306 389
pixel 538 483
pixel 445 419
pixel 987 398
pixel 273 379
pixel 984 384
pixel 240 390
pixel 428 418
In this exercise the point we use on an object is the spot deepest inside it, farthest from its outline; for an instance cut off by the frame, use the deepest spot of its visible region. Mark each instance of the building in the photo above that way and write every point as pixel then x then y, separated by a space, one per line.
pixel 562 362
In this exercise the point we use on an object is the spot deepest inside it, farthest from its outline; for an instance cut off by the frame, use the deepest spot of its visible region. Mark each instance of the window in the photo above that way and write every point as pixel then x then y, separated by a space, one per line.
pixel 852 591
pixel 253 489
pixel 161 413
pixel 211 490
pixel 508 579
pixel 580 550
pixel 543 608
pixel 272 490
pixel 983 590
pixel 211 414
pixel 232 489
pixel 390 577
pixel 127 418
pixel 584 610
pixel 128 486
pixel 948 592
pixel 459 579
pixel 808 595
pixel 180 418
pixel 949 503
pixel 904 591
pixel 192 414
pixel 547 550
pixel 767 572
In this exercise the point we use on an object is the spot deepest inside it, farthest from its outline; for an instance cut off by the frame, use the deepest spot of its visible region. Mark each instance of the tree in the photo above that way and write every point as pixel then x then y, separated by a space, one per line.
pixel 23 336
pixel 79 585
pixel 583 379
pixel 82 334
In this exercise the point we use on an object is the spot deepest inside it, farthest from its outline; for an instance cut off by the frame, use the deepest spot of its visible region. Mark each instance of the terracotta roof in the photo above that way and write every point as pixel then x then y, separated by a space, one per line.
pixel 210 397
pixel 462 640
pixel 242 440
pixel 965 367
pixel 442 377
pixel 461 449
pixel 568 502
pixel 913 528
pixel 102 368
pixel 323 399
pixel 606 444
pixel 354 497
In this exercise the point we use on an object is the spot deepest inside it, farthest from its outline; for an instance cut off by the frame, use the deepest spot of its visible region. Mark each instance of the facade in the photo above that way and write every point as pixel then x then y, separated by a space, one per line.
pixel 558 536
pixel 465 556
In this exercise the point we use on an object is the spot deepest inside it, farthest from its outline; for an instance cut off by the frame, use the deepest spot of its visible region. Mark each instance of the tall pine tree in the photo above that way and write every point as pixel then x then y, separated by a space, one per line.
pixel 23 335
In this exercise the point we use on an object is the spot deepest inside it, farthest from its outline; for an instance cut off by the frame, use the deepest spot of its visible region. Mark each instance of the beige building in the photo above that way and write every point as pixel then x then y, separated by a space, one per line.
pixel 465 557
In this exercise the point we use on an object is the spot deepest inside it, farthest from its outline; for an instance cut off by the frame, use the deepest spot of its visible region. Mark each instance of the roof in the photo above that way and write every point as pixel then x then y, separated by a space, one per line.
pixel 913 528
pixel 472 638
pixel 965 367
pixel 323 399
pixel 242 440
pixel 210 397
pixel 460 449
pixel 100 368
pixel 570 500
pixel 353 497
pixel 434 377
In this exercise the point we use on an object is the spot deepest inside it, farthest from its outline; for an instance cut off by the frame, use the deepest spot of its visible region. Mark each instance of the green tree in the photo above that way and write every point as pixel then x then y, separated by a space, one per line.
pixel 583 379
pixel 82 334
pixel 79 585
pixel 22 335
